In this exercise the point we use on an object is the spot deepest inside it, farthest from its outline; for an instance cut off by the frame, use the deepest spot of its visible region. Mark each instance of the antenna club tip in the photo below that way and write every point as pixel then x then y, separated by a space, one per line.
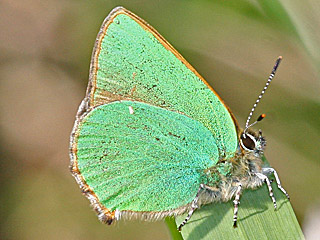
pixel 280 57
pixel 262 116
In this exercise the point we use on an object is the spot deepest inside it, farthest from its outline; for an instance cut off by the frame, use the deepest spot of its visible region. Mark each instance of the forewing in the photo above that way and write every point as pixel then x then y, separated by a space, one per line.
pixel 131 61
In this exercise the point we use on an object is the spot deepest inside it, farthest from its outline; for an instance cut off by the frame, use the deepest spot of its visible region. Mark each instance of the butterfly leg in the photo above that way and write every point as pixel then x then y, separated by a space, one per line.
pixel 268 171
pixel 194 206
pixel 267 181
pixel 236 205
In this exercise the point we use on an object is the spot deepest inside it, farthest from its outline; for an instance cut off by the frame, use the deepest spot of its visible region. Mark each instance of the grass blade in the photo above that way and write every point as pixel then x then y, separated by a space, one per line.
pixel 171 224
pixel 257 218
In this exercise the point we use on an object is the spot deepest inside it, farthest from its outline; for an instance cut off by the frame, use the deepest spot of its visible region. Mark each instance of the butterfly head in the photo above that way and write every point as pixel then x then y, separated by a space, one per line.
pixel 251 141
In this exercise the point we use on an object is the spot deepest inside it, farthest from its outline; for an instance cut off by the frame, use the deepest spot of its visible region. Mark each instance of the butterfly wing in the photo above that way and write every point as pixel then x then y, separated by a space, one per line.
pixel 134 64
pixel 150 160
pixel 132 61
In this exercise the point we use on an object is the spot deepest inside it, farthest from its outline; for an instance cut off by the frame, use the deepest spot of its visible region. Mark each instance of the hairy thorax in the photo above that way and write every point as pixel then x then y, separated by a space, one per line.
pixel 223 179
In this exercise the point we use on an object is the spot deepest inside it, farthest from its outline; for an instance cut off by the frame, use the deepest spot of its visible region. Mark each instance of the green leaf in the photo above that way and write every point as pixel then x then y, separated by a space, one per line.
pixel 257 218
pixel 175 235
pixel 276 12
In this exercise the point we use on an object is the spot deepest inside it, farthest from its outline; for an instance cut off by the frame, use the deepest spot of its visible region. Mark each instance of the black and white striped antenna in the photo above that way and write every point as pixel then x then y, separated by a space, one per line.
pixel 260 96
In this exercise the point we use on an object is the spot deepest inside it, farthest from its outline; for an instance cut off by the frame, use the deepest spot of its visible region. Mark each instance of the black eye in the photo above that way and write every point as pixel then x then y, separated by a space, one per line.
pixel 247 142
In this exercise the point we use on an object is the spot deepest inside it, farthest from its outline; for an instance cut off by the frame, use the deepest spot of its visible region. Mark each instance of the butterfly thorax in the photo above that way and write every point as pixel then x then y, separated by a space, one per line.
pixel 225 176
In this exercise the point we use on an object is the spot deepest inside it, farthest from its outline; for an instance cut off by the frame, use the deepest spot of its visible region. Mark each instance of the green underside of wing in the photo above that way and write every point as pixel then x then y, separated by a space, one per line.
pixel 134 64
pixel 151 160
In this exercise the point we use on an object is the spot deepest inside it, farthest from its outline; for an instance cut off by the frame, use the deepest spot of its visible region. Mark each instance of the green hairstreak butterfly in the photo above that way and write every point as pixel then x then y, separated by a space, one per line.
pixel 151 137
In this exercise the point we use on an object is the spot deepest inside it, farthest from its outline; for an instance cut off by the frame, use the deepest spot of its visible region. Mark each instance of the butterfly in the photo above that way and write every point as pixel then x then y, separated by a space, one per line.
pixel 151 137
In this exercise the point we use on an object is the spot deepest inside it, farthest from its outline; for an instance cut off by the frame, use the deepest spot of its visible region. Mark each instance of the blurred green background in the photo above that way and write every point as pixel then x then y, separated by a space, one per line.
pixel 44 61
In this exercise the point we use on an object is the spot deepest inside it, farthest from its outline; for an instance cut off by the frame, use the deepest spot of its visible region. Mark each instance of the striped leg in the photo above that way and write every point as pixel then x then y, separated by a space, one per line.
pixel 266 179
pixel 270 171
pixel 194 206
pixel 236 205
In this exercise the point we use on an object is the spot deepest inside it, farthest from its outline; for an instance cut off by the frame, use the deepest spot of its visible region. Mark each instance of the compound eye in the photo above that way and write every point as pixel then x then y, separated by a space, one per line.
pixel 248 142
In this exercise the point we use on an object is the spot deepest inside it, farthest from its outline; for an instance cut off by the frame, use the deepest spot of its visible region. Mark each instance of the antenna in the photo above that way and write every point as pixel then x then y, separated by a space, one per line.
pixel 260 96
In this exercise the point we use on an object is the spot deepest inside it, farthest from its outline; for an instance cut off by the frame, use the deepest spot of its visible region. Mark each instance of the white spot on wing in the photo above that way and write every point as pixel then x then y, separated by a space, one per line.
pixel 131 110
